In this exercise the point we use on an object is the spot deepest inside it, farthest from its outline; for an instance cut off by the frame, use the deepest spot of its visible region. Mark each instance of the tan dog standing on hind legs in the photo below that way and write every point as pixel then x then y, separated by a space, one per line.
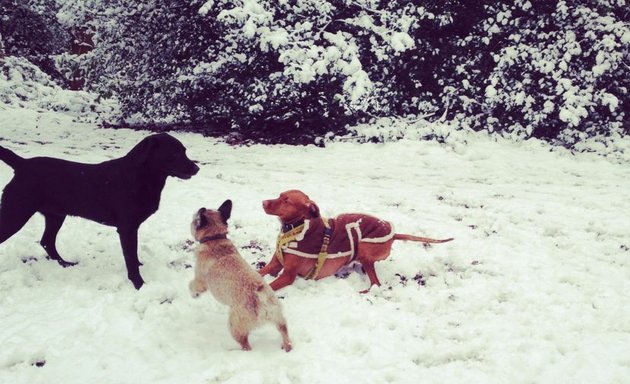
pixel 313 247
pixel 231 280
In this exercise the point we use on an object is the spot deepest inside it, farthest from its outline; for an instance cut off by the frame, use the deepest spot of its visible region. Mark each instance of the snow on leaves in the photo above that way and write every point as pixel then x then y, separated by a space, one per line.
pixel 524 68
pixel 309 42
pixel 564 76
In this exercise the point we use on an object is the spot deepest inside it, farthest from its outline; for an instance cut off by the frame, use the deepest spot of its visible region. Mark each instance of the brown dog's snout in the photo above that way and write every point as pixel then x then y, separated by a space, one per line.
pixel 271 207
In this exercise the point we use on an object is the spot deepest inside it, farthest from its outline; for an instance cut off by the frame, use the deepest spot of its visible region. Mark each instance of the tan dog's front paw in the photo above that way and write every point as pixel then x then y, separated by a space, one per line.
pixel 196 288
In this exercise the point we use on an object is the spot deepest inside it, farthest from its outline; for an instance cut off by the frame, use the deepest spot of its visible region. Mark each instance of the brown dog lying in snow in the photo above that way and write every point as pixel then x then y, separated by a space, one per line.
pixel 313 247
pixel 231 280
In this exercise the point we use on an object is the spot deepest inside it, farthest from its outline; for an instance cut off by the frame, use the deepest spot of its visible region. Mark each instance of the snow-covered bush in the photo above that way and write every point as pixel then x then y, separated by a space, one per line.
pixel 523 68
pixel 546 69
pixel 25 85
pixel 30 29
pixel 248 64
pixel 388 129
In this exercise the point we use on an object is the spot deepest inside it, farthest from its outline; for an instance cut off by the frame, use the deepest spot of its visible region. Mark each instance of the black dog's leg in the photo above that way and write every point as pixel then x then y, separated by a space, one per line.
pixel 129 242
pixel 14 212
pixel 49 238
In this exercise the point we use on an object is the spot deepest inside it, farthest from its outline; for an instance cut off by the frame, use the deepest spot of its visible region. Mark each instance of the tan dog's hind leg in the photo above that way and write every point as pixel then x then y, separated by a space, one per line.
pixel 286 342
pixel 239 327
pixel 243 341
pixel 271 310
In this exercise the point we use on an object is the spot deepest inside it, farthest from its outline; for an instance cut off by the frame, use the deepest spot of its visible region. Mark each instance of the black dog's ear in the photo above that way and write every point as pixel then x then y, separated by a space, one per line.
pixel 140 153
pixel 313 209
pixel 226 210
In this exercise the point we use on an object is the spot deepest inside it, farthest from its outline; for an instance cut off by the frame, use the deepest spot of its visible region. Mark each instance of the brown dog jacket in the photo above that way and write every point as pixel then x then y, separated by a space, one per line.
pixel 346 231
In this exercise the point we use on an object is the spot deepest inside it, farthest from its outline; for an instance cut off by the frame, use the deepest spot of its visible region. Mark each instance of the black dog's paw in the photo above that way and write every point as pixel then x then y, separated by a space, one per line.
pixel 67 264
pixel 62 262
pixel 137 282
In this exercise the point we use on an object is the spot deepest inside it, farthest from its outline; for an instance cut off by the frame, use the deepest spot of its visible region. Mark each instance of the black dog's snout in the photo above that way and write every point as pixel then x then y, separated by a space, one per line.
pixel 195 168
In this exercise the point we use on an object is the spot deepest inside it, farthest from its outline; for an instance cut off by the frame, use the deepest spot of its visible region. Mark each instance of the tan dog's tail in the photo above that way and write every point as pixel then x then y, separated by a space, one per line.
pixel 426 240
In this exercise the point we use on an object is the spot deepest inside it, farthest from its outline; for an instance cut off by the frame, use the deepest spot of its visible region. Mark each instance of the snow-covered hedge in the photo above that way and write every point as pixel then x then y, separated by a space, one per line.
pixel 557 70
pixel 456 134
pixel 30 29
pixel 24 85
pixel 526 68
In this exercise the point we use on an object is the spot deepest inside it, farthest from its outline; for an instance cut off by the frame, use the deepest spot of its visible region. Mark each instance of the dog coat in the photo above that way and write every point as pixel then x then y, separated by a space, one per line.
pixel 346 231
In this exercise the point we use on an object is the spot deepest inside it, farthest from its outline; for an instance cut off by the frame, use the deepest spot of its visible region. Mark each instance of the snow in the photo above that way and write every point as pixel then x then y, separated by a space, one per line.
pixel 401 41
pixel 534 289
pixel 206 7
pixel 491 91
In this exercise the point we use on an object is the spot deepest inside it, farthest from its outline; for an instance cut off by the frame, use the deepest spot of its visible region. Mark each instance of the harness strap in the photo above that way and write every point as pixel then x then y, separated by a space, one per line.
pixel 323 253
pixel 285 238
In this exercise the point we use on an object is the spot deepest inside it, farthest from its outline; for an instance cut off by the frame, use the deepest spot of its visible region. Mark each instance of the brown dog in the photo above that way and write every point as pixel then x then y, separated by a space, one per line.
pixel 231 280
pixel 312 247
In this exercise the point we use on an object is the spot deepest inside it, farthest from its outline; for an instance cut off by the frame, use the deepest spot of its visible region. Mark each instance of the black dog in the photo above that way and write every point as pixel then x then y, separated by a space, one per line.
pixel 121 193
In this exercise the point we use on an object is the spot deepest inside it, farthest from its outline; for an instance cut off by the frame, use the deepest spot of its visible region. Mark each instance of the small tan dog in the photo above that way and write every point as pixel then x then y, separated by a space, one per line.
pixel 231 280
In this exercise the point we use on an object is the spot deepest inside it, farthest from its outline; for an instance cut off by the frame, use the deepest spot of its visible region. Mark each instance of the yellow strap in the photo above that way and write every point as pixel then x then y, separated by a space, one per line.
pixel 284 239
pixel 323 253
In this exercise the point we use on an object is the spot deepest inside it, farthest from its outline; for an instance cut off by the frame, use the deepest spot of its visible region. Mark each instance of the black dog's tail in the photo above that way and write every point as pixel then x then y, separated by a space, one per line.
pixel 10 158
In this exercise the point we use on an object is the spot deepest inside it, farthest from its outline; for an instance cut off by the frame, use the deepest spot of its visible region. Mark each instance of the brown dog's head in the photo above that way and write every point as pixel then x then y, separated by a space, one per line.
pixel 291 206
pixel 208 222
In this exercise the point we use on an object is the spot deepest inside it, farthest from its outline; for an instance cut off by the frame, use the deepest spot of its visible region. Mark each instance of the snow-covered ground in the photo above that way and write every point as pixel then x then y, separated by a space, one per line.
pixel 534 289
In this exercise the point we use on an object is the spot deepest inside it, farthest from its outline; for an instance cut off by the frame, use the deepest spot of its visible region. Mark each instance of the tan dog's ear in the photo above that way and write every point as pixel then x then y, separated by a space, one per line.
pixel 226 210
pixel 313 210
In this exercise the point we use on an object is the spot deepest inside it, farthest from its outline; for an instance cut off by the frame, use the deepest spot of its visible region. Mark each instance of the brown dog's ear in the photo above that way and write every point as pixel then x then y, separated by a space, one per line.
pixel 313 210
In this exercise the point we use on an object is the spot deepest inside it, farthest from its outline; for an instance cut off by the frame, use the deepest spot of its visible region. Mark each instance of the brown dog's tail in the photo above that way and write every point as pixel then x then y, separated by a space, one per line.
pixel 426 240
pixel 10 158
